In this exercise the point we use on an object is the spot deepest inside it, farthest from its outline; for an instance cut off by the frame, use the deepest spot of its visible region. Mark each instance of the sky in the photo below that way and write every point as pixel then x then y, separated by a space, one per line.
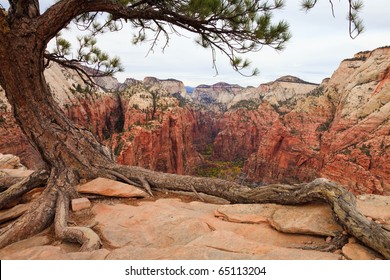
pixel 319 43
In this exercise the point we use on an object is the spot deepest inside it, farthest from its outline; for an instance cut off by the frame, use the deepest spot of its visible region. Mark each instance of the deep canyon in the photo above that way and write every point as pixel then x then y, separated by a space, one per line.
pixel 287 130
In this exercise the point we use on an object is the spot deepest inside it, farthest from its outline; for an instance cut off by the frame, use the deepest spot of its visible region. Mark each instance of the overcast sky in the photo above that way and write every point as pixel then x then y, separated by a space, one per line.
pixel 318 45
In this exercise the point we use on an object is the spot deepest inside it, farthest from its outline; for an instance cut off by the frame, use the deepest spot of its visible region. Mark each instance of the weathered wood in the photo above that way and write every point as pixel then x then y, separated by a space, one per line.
pixel 342 202
pixel 73 153
pixel 39 216
pixel 8 181
pixel 83 235
pixel 36 179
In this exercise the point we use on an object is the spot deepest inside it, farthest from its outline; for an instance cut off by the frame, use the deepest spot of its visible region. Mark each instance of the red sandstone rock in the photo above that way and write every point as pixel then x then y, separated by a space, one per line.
pixel 80 203
pixel 340 131
pixel 107 187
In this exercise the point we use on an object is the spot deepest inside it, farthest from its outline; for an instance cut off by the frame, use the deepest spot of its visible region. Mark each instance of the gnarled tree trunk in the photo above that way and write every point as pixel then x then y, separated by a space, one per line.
pixel 72 152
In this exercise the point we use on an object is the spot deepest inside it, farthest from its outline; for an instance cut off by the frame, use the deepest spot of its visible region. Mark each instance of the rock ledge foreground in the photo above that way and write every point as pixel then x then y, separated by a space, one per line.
pixel 176 226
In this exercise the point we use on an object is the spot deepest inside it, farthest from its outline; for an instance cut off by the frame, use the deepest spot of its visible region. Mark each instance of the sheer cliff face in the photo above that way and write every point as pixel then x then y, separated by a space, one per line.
pixel 160 140
pixel 356 147
pixel 341 131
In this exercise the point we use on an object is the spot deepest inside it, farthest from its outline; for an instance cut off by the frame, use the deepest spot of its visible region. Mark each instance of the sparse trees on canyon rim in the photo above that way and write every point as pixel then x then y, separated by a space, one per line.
pixel 71 153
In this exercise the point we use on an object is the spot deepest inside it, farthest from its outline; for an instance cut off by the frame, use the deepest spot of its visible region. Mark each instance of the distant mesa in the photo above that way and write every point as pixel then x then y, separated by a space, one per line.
pixel 293 79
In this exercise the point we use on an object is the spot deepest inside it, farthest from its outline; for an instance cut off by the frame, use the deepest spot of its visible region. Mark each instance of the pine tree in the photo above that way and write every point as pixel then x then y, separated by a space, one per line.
pixel 72 153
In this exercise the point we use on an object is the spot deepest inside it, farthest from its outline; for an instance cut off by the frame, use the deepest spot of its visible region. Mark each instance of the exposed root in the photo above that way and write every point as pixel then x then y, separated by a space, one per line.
pixel 197 194
pixel 8 181
pixel 42 211
pixel 36 179
pixel 39 216
pixel 83 235
pixel 342 202
pixel 121 177
pixel 336 243
pixel 146 185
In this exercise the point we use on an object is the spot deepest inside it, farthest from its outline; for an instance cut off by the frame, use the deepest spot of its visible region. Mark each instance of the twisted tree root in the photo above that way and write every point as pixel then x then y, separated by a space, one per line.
pixel 342 202
pixel 61 184
pixel 22 186
pixel 83 235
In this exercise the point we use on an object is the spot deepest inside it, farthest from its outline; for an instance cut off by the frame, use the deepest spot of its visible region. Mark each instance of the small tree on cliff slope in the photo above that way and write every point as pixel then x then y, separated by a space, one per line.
pixel 72 153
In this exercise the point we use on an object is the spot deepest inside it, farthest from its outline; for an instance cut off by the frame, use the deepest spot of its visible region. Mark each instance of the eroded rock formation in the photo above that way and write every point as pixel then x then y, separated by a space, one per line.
pixel 288 130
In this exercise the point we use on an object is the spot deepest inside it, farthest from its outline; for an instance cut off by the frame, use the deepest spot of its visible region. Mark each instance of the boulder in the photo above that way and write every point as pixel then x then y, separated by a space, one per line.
pixel 80 203
pixel 314 219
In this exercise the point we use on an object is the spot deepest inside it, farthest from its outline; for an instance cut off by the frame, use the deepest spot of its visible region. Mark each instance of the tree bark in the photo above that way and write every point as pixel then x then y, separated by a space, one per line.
pixel 72 152
pixel 21 187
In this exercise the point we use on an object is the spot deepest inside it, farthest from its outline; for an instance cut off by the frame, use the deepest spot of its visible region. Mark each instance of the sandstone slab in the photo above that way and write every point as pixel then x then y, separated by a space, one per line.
pixel 355 251
pixel 47 252
pixel 248 213
pixel 107 187
pixel 174 229
pixel 170 228
pixel 232 242
pixel 220 245
pixel 80 203
pixel 314 219
pixel 374 206
pixel 100 254
pixel 10 250
pixel 152 224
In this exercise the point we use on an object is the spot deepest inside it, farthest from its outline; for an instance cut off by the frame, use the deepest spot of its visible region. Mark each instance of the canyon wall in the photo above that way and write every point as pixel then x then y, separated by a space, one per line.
pixel 340 131
pixel 122 120
pixel 287 130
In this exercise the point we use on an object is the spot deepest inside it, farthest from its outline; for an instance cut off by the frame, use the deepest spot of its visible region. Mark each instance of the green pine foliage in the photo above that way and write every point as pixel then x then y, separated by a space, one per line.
pixel 230 27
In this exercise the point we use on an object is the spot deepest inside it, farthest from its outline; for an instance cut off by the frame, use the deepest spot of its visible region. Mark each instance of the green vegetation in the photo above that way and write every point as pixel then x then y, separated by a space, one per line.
pixel 366 149
pixel 246 104
pixel 228 170
pixel 325 126
pixel 346 152
pixel 119 146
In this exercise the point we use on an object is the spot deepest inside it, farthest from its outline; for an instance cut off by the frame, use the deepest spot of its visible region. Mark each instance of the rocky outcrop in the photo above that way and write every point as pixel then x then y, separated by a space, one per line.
pixel 162 141
pixel 178 227
pixel 172 86
pixel 358 139
pixel 158 129
pixel 164 145
pixel 340 131
pixel 215 96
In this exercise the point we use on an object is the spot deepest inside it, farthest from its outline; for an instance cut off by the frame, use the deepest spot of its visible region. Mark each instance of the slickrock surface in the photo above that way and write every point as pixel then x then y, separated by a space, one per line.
pixel 176 226
pixel 107 187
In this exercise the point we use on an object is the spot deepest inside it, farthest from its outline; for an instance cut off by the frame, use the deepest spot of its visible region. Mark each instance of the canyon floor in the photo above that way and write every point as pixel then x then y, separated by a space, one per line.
pixel 133 225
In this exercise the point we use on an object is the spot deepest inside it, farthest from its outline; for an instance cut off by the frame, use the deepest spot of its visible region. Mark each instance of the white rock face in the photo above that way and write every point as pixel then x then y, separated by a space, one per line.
pixel 285 89
pixel 172 86
pixel 217 93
